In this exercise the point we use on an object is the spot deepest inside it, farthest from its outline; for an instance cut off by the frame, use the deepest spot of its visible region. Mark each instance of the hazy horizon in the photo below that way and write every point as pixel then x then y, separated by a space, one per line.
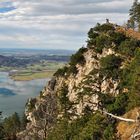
pixel 41 49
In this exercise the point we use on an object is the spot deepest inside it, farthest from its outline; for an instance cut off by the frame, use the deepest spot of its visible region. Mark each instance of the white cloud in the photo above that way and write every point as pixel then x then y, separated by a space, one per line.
pixel 53 23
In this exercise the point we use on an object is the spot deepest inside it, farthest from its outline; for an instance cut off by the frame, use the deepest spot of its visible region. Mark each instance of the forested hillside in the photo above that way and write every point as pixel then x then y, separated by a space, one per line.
pixel 101 78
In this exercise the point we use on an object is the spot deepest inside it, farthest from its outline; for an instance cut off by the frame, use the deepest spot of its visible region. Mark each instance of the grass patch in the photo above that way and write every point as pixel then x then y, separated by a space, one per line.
pixel 27 76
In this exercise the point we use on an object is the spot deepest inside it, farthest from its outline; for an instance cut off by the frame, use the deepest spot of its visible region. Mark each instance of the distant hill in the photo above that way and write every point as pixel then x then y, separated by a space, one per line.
pixel 12 61
pixel 29 52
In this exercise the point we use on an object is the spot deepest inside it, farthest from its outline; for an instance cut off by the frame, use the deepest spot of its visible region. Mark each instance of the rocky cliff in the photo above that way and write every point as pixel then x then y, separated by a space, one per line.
pixel 94 80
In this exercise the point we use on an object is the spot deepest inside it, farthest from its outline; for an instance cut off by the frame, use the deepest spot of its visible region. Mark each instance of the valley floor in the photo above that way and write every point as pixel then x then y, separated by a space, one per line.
pixel 27 76
pixel 40 70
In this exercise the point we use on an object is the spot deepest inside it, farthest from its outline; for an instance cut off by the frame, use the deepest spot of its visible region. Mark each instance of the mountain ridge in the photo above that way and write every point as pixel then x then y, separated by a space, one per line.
pixel 98 77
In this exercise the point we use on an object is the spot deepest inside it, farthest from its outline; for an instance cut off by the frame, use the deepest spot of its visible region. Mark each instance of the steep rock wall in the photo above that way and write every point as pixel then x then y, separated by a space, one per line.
pixel 83 88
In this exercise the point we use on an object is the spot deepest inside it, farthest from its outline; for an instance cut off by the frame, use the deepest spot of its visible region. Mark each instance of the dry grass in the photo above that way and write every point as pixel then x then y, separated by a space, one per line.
pixel 129 32
pixel 125 129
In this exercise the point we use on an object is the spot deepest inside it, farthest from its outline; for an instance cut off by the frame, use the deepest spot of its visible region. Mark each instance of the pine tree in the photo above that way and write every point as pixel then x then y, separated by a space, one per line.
pixel 24 121
pixel 16 122
pixel 134 15
pixel 11 126
pixel 1 127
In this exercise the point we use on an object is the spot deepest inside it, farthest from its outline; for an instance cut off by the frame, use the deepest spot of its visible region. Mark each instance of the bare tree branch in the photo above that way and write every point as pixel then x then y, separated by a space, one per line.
pixel 119 118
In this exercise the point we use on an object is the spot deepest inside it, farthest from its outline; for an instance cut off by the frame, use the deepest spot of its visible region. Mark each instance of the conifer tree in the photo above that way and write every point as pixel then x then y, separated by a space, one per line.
pixel 1 127
pixel 134 15
pixel 11 126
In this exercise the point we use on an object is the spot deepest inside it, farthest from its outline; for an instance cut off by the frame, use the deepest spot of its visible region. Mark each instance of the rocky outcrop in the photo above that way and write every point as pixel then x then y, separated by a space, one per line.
pixel 80 85
pixel 41 113
pixel 83 88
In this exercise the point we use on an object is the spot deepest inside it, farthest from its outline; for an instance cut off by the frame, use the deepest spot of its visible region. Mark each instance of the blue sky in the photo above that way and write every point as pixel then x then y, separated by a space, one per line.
pixel 55 24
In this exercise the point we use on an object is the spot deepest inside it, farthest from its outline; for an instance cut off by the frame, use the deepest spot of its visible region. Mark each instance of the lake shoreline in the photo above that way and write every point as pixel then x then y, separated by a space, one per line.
pixel 24 76
pixel 14 94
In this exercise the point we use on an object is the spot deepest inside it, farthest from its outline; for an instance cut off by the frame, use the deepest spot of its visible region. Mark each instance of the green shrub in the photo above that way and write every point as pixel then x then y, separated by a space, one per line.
pixel 117 38
pixel 61 71
pixel 106 99
pixel 127 47
pixel 96 36
pixel 65 104
pixel 116 105
pixel 130 79
pixel 92 34
pixel 120 104
pixel 78 57
pixel 134 80
pixel 110 66
pixel 72 70
pixel 75 59
pixel 104 28
pixel 102 41
pixel 11 126
pixel 109 132
pixel 86 91
pixel 87 127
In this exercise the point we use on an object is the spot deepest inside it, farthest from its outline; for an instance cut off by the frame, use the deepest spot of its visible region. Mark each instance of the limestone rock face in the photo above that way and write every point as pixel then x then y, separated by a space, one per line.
pixel 41 113
pixel 82 92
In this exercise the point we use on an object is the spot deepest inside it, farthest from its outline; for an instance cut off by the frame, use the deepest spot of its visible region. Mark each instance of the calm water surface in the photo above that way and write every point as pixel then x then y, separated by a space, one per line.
pixel 14 94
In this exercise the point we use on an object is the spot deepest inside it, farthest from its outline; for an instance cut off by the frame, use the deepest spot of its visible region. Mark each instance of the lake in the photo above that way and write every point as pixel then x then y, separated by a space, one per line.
pixel 14 94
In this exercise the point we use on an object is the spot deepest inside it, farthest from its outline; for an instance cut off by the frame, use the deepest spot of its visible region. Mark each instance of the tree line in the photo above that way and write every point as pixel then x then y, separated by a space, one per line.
pixel 134 13
pixel 11 125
